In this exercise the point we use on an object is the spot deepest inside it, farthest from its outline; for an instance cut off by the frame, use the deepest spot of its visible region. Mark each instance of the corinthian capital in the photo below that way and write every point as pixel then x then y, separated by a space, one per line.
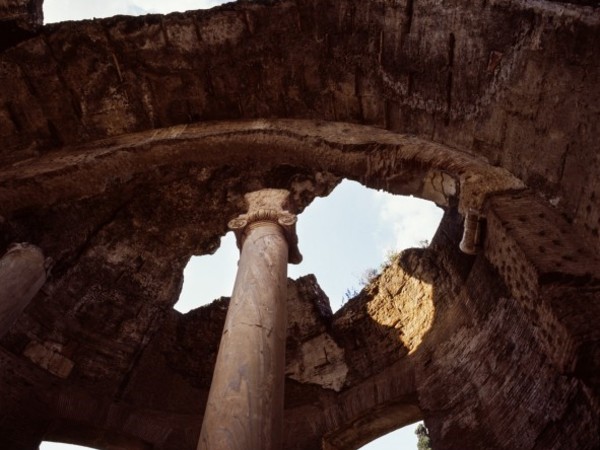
pixel 268 206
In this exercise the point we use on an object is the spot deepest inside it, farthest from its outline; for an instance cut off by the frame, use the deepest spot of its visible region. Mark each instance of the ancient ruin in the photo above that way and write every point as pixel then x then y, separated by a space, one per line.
pixel 130 143
pixel 245 403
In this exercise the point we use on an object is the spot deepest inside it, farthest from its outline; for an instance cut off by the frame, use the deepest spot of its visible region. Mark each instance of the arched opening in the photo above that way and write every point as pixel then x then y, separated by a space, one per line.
pixel 418 168
pixel 376 173
pixel 345 238
pixel 474 122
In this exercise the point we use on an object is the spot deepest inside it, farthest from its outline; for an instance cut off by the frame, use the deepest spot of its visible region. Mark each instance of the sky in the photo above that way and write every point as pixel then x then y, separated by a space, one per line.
pixel 341 236
pixel 61 10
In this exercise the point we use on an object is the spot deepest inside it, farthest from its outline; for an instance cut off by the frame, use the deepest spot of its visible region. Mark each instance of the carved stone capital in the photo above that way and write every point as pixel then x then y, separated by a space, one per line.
pixel 268 206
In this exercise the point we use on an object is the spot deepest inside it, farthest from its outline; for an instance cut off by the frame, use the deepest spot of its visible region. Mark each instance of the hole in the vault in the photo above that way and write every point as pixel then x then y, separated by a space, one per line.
pixel 206 278
pixel 353 232
pixel 61 10
pixel 342 237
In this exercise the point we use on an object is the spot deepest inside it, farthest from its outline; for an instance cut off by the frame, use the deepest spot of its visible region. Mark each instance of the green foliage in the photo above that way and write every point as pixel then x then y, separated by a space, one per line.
pixel 349 294
pixel 390 257
pixel 423 442
pixel 370 275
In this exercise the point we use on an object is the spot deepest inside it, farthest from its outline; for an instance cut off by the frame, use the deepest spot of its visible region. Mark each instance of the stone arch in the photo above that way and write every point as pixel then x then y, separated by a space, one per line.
pixel 399 164
pixel 371 404
pixel 340 150
pixel 107 133
pixel 124 75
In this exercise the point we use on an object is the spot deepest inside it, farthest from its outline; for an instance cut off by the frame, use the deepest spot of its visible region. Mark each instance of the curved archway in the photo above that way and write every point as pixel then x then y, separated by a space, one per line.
pixel 177 169
pixel 346 238
pixel 519 318
pixel 377 158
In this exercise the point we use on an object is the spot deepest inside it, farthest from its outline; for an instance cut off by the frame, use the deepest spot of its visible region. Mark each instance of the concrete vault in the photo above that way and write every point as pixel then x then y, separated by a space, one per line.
pixel 129 143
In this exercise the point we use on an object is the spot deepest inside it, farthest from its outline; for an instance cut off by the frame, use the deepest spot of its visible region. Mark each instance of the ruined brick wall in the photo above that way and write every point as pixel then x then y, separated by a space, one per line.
pixel 114 162
pixel 515 82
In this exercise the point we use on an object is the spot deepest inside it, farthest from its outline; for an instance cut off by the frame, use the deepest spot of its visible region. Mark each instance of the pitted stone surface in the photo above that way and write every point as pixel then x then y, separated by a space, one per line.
pixel 129 143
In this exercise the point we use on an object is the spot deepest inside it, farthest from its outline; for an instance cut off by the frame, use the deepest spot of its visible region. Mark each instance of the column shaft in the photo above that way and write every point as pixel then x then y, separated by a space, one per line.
pixel 245 404
pixel 22 274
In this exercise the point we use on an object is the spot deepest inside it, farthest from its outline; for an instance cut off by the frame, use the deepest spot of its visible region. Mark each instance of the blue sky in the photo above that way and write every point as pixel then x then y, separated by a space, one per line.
pixel 341 236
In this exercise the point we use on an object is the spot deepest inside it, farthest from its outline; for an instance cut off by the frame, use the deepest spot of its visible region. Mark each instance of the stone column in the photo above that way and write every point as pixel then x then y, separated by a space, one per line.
pixel 22 274
pixel 245 404
pixel 471 234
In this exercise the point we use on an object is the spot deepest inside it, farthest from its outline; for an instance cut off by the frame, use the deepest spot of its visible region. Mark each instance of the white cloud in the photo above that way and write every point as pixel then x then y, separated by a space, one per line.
pixel 406 222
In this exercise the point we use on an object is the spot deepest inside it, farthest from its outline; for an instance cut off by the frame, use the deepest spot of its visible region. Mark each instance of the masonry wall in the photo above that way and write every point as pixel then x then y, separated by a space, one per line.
pixel 113 163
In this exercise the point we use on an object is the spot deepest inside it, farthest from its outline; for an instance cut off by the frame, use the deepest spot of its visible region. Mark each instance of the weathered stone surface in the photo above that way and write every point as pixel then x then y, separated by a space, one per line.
pixel 129 143
pixel 19 20
pixel 502 79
